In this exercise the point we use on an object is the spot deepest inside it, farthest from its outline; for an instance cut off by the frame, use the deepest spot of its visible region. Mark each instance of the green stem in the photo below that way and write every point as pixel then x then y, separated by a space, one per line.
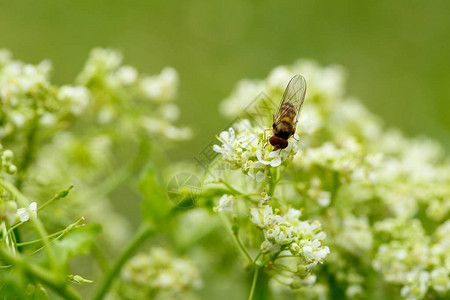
pixel 272 183
pixel 42 233
pixel 39 240
pixel 242 248
pixel 43 247
pixel 255 279
pixel 284 256
pixel 57 196
pixel 58 284
pixel 256 258
pixel 11 229
pixel 236 192
pixel 282 174
pixel 284 268
pixel 236 239
pixel 145 231
pixel 336 185
pixel 58 234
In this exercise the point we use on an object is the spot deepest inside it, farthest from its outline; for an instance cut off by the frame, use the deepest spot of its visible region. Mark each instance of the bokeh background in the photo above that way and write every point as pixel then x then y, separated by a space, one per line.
pixel 396 52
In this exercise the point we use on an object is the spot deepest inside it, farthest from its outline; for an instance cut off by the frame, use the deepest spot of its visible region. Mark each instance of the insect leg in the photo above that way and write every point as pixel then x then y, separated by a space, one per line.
pixel 293 134
pixel 267 142
pixel 266 131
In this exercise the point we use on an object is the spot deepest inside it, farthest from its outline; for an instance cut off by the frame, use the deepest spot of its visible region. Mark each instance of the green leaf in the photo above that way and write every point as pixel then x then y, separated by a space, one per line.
pixel 79 241
pixel 156 205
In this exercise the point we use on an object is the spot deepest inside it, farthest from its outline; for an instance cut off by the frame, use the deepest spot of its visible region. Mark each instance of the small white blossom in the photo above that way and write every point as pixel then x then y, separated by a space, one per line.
pixel 261 217
pixel 24 213
pixel 161 273
pixel 226 203
pixel 245 92
pixel 125 75
pixel 324 198
pixel 247 150
pixel 100 63
pixel 302 238
pixel 76 97
pixel 161 87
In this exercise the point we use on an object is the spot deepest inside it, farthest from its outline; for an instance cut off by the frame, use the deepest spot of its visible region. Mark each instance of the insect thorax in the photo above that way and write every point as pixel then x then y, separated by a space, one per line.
pixel 283 129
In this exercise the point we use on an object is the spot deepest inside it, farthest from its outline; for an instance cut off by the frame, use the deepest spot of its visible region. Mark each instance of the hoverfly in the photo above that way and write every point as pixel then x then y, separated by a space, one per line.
pixel 285 121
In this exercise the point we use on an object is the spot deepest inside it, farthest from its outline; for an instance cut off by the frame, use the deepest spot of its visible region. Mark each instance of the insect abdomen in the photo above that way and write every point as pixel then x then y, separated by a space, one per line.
pixel 288 113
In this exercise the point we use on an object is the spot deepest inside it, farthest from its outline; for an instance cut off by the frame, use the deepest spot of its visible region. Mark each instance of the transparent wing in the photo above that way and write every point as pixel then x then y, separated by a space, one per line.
pixel 294 95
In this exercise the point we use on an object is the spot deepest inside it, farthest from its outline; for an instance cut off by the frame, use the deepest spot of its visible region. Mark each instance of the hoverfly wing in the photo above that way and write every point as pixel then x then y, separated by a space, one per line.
pixel 294 95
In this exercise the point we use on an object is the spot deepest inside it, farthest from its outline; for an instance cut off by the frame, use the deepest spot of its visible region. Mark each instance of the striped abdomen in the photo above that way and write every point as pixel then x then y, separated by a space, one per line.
pixel 287 113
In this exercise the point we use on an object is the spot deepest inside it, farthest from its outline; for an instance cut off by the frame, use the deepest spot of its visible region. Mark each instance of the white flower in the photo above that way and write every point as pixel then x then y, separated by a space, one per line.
pixel 279 77
pixel 310 120
pixel 440 280
pixel 245 92
pixel 274 157
pixel 280 235
pixel 170 112
pixel 324 198
pixel 268 247
pixel 309 280
pixel 313 251
pixel 260 176
pixel 48 119
pixel 126 75
pixel 302 238
pixel 247 150
pixel 161 87
pixel 24 213
pixel 163 127
pixel 105 115
pixel 5 57
pixel 161 273
pixel 261 217
pixel 101 63
pixel 354 290
pixel 293 215
pixel 356 235
pixel 225 203
pixel 17 119
pixel 77 98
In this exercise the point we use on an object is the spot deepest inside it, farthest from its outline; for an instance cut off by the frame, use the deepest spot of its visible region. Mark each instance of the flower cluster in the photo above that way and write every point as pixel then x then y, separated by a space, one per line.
pixel 6 158
pixel 93 127
pixel 410 258
pixel 245 148
pixel 29 99
pixel 122 96
pixel 226 203
pixel 379 195
pixel 286 234
pixel 11 214
pixel 159 275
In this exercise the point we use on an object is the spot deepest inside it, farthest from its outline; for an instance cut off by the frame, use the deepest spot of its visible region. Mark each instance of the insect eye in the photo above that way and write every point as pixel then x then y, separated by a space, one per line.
pixel 274 140
pixel 283 143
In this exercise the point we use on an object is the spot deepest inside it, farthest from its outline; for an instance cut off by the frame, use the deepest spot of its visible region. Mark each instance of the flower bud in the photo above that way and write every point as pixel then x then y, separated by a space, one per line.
pixel 7 155
pixel 12 169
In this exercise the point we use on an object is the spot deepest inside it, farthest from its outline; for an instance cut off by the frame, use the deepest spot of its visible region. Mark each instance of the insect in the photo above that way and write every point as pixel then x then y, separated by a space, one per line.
pixel 285 121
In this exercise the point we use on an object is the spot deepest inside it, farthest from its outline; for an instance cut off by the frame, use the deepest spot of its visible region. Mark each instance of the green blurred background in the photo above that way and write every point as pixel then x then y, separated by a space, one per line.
pixel 396 52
